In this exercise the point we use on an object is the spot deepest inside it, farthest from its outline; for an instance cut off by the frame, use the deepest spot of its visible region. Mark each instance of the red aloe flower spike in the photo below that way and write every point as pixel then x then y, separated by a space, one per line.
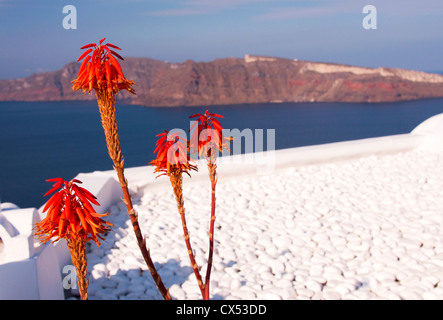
pixel 172 154
pixel 62 216
pixel 173 160
pixel 70 216
pixel 103 74
pixel 207 134
pixel 98 75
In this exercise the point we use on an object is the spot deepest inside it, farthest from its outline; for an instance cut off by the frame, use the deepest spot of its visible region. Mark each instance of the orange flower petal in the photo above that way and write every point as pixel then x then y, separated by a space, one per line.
pixel 113 46
pixel 88 46
pixel 84 54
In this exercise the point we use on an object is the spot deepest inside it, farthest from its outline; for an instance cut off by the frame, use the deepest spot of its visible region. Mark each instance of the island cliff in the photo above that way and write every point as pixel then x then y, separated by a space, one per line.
pixel 252 79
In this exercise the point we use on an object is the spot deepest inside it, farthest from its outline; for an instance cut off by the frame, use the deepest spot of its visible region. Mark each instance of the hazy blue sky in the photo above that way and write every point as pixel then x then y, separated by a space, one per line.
pixel 409 32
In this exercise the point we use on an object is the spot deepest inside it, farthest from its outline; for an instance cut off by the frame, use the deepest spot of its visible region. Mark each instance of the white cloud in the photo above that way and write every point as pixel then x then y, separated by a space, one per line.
pixel 228 3
pixel 177 12
pixel 324 8
pixel 410 7
pixel 307 12
pixel 4 3
pixel 291 9
pixel 199 7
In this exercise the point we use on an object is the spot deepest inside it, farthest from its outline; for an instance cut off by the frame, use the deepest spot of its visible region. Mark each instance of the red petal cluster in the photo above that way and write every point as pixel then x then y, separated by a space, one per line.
pixel 101 70
pixel 207 133
pixel 70 214
pixel 172 154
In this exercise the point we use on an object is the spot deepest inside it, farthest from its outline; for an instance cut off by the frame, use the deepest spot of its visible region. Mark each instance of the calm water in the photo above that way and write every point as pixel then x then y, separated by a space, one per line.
pixel 42 140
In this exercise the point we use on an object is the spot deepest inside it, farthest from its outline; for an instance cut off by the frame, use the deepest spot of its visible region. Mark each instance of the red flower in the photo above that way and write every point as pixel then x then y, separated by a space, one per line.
pixel 101 70
pixel 70 214
pixel 207 133
pixel 172 154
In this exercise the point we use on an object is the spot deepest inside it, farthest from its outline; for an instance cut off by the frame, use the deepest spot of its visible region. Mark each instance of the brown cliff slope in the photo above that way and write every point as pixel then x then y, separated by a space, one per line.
pixel 254 79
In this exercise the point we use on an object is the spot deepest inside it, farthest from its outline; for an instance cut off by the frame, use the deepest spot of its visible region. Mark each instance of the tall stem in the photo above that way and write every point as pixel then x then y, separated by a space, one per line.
pixel 212 167
pixel 176 182
pixel 106 103
pixel 77 249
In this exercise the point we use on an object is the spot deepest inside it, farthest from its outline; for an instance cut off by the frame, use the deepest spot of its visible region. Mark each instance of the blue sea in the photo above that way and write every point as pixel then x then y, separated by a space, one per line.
pixel 42 140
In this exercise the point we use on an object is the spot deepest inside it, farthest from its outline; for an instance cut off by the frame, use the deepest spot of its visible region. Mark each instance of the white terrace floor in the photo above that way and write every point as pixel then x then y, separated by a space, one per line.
pixel 366 228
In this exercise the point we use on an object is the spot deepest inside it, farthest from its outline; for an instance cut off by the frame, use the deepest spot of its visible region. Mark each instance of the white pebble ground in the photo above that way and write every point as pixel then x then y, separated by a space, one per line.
pixel 369 228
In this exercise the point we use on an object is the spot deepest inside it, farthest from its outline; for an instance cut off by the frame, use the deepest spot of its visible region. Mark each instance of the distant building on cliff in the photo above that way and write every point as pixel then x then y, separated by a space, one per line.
pixel 252 58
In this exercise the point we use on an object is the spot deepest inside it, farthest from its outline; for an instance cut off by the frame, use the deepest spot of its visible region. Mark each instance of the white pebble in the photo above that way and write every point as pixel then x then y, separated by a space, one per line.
pixel 331 295
pixel 244 294
pixel 97 274
pixel 235 284
pixel 277 267
pixel 384 276
pixel 316 270
pixel 347 254
pixel 177 292
pixel 313 285
pixel 268 296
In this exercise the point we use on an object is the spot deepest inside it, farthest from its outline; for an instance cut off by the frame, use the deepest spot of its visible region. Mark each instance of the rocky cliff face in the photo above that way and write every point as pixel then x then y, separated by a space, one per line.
pixel 253 79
